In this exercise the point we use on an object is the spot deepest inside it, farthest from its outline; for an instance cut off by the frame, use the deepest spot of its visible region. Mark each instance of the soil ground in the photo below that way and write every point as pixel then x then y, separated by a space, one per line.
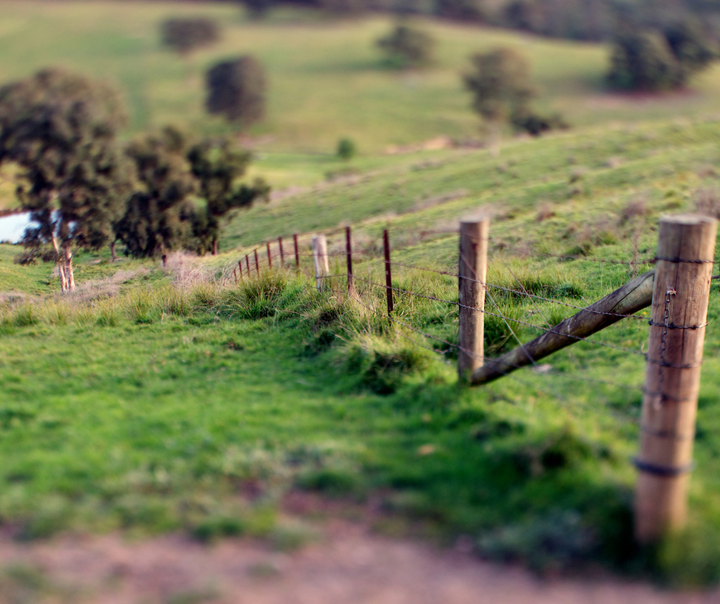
pixel 346 564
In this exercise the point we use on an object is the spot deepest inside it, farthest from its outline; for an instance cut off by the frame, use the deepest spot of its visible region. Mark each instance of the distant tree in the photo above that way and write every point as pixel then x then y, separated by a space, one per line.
pixel 690 46
pixel 60 129
pixel 343 7
pixel 236 90
pixel 408 46
pixel 643 60
pixel 524 14
pixel 218 164
pixel 501 86
pixel 346 149
pixel 184 35
pixel 158 216
pixel 257 9
pixel 461 10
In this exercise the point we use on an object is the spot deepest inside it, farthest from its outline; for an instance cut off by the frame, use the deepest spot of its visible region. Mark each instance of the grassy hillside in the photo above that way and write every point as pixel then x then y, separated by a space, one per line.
pixel 153 398
pixel 326 78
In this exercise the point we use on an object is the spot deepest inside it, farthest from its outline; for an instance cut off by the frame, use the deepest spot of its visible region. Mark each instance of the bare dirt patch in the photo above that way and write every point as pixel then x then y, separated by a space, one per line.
pixel 346 564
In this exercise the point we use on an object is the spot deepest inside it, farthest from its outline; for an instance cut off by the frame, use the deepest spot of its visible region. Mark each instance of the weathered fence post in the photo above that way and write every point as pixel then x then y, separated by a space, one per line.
pixel 282 253
pixel 269 253
pixel 686 249
pixel 240 268
pixel 247 262
pixel 257 264
pixel 348 253
pixel 297 253
pixel 388 273
pixel 235 273
pixel 320 258
pixel 472 274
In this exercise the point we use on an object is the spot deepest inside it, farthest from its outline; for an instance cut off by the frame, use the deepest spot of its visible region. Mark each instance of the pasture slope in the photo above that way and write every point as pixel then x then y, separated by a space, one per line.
pixel 159 400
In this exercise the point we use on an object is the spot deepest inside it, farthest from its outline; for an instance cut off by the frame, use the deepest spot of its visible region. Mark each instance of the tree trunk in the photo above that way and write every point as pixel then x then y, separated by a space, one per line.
pixel 59 260
pixel 69 271
pixel 215 247
pixel 112 251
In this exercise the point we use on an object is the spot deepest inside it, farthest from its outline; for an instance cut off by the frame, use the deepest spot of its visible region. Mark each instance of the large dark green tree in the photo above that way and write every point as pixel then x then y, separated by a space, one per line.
pixel 60 128
pixel 659 60
pixel 236 90
pixel 218 164
pixel 158 216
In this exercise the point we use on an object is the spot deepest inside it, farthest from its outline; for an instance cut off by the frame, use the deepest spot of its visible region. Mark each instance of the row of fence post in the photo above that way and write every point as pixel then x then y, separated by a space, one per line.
pixel 683 270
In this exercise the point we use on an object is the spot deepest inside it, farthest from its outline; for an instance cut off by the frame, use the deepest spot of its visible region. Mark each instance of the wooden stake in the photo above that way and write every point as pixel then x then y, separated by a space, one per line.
pixel 257 264
pixel 282 253
pixel 247 262
pixel 388 273
pixel 235 273
pixel 686 249
pixel 240 268
pixel 269 253
pixel 297 253
pixel 472 276
pixel 348 253
pixel 320 258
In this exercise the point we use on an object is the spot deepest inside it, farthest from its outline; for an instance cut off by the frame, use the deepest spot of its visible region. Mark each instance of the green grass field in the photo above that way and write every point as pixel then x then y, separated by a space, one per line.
pixel 157 400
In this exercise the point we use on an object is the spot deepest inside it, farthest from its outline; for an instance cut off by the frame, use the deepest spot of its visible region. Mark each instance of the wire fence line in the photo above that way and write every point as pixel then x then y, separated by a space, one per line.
pixel 360 279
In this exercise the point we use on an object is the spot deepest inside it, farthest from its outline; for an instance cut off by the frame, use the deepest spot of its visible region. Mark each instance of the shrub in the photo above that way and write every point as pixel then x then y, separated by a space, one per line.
pixel 346 149
pixel 408 46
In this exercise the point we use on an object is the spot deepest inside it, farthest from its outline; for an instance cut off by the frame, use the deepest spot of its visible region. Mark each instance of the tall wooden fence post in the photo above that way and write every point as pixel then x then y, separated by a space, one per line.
pixel 388 273
pixel 472 273
pixel 282 253
pixel 297 253
pixel 257 264
pixel 348 253
pixel 269 253
pixel 686 249
pixel 320 258
pixel 240 268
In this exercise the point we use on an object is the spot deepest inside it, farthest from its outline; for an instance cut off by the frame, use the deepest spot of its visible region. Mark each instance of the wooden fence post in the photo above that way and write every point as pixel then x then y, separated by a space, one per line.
pixel 240 268
pixel 282 253
pixel 686 250
pixel 320 258
pixel 472 275
pixel 388 273
pixel 247 262
pixel 348 253
pixel 269 253
pixel 257 264
pixel 297 253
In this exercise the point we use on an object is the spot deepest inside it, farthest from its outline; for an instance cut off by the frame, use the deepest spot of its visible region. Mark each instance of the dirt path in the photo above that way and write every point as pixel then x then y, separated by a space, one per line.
pixel 347 564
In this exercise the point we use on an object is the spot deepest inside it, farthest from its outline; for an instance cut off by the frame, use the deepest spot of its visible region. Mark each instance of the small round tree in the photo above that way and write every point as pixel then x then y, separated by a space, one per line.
pixel 184 35
pixel 236 90
pixel 408 46
pixel 501 87
pixel 346 149
pixel 60 129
